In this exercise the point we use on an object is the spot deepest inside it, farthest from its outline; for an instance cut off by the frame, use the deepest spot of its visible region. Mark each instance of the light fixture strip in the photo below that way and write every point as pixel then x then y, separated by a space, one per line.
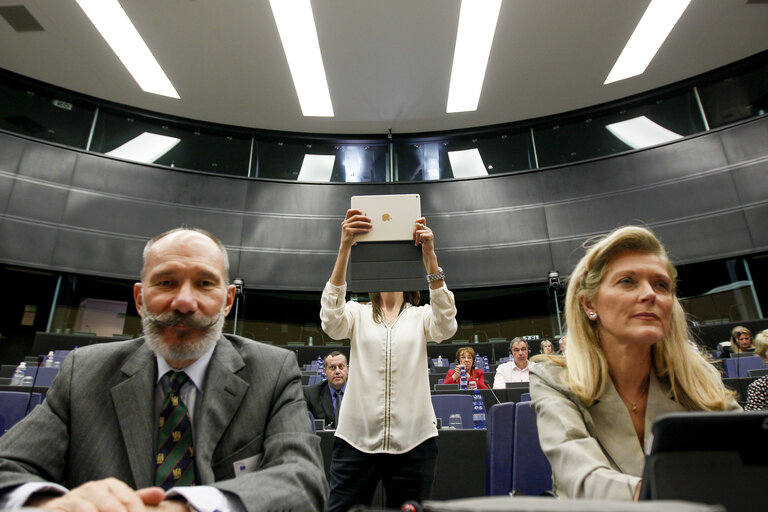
pixel 118 31
pixel 298 33
pixel 474 38
pixel 659 19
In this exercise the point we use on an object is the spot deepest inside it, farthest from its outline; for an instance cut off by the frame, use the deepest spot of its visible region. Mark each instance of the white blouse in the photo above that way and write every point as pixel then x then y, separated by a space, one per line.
pixel 387 406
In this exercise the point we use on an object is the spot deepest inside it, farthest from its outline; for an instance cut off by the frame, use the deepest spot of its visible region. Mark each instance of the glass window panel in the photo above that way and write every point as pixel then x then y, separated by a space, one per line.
pixel 54 117
pixel 358 163
pixel 590 137
pixel 736 98
pixel 195 148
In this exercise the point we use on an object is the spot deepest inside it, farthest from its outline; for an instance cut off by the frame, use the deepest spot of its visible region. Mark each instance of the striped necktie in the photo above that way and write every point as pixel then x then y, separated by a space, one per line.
pixel 175 463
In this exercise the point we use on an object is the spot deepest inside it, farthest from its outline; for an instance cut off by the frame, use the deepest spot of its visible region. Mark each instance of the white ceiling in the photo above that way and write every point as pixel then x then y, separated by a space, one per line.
pixel 388 62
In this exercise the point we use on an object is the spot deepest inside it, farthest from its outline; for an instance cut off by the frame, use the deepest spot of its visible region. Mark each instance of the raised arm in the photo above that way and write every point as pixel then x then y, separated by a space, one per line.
pixel 354 223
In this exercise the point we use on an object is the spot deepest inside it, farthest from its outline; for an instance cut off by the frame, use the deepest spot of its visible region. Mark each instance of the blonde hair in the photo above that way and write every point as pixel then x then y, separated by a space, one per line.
pixel 694 383
pixel 761 344
pixel 735 347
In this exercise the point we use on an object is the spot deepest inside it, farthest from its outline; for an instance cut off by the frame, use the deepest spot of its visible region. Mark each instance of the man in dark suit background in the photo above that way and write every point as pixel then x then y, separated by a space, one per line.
pixel 324 399
pixel 246 440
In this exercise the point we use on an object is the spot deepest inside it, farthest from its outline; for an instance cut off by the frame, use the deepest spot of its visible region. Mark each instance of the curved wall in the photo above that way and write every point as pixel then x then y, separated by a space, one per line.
pixel 706 196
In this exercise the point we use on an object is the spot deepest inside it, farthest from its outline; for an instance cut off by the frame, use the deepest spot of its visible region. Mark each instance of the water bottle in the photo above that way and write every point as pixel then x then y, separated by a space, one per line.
pixel 478 410
pixel 439 361
pixel 463 378
pixel 477 338
pixel 486 365
pixel 48 360
pixel 309 341
pixel 18 374
pixel 320 372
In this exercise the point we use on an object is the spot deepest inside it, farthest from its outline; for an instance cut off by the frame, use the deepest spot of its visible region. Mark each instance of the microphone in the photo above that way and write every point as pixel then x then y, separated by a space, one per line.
pixel 32 389
pixel 411 506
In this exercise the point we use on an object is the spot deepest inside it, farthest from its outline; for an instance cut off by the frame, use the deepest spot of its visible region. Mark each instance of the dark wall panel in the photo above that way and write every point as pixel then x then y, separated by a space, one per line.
pixel 70 210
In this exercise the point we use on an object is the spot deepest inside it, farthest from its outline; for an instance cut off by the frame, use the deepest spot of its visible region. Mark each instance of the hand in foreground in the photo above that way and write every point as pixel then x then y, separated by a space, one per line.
pixel 108 495
pixel 354 223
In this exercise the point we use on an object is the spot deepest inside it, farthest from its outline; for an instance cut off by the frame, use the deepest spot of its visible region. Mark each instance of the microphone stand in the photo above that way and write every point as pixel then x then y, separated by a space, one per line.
pixel 32 389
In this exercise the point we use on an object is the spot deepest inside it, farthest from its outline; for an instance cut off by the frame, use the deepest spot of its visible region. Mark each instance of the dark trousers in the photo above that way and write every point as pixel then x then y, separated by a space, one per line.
pixel 406 476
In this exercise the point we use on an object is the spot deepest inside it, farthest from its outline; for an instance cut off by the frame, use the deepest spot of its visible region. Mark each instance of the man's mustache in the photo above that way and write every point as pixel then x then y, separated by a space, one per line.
pixel 176 319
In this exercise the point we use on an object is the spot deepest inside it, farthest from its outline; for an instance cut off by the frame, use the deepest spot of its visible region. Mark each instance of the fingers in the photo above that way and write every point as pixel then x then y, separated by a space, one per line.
pixel 151 495
pixel 421 233
pixel 109 495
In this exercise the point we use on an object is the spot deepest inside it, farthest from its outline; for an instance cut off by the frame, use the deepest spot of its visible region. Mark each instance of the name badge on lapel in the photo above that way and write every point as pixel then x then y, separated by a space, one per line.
pixel 248 465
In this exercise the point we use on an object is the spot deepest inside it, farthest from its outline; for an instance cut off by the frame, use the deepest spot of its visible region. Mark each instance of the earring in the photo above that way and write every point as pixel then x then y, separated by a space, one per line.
pixel 592 315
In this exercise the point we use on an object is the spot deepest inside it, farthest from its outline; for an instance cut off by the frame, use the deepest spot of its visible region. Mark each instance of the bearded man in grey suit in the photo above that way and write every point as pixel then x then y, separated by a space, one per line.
pixel 93 444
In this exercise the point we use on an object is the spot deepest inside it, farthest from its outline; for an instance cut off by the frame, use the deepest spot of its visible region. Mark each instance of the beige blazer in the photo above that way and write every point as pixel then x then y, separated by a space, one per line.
pixel 594 451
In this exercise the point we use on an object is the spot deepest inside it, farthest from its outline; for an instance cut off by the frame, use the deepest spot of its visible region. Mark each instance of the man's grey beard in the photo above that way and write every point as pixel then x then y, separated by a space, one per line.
pixel 207 328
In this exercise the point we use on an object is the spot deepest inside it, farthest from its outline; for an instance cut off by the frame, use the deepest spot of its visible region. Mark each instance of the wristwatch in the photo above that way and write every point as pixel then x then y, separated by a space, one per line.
pixel 437 276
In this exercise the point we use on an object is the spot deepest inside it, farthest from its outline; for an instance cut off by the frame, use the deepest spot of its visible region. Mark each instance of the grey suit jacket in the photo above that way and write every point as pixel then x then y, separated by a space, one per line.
pixel 320 403
pixel 594 451
pixel 98 420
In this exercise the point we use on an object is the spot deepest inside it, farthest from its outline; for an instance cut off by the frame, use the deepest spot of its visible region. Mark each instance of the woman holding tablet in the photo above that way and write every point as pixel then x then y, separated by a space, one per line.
pixel 387 426
pixel 628 361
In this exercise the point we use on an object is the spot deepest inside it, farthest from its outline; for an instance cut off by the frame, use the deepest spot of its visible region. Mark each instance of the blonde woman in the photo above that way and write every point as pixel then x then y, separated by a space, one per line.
pixel 761 345
pixel 741 342
pixel 628 361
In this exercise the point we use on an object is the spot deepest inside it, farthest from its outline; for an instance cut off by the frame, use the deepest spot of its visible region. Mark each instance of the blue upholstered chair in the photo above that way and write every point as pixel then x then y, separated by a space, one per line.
pixel 498 449
pixel 740 366
pixel 531 472
pixel 445 405
pixel 14 405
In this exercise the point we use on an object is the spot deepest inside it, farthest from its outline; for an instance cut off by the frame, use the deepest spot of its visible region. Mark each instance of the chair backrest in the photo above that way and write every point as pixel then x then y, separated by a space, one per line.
pixel 445 405
pixel 314 379
pixel 531 472
pixel 525 397
pixel 740 366
pixel 45 376
pixel 498 449
pixel 13 406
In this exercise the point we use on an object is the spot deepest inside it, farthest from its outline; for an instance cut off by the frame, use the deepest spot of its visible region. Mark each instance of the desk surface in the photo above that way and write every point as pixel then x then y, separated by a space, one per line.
pixel 452 480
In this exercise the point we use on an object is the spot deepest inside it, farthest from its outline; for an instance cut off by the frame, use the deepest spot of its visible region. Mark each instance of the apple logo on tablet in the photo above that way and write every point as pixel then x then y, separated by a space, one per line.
pixel 386 217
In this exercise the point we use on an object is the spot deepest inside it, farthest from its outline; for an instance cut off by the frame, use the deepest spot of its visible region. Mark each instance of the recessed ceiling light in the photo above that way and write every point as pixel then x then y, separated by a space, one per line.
pixel 467 163
pixel 145 148
pixel 317 168
pixel 477 25
pixel 658 21
pixel 641 132
pixel 116 28
pixel 298 33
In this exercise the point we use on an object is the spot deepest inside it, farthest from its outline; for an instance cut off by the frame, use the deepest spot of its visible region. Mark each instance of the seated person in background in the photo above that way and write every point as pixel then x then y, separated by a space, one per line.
pixel 546 347
pixel 741 342
pixel 757 395
pixel 324 399
pixel 761 345
pixel 561 346
pixel 515 370
pixel 102 429
pixel 465 357
pixel 628 362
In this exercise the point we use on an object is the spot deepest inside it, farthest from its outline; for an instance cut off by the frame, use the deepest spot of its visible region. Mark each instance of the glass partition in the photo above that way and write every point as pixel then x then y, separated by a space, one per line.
pixel 146 140
pixel 741 96
pixel 55 117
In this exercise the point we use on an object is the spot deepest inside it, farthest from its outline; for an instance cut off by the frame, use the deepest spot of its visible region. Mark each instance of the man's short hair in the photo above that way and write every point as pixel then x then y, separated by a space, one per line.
pixel 334 354
pixel 517 339
pixel 210 235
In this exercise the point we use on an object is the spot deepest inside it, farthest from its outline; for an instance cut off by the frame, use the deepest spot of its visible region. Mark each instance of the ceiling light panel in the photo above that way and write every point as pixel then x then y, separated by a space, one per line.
pixel 658 21
pixel 116 28
pixel 298 33
pixel 317 168
pixel 146 148
pixel 641 132
pixel 474 38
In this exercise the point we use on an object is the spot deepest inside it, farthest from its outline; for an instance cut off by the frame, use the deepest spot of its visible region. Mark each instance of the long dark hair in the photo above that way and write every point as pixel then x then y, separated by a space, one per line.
pixel 413 298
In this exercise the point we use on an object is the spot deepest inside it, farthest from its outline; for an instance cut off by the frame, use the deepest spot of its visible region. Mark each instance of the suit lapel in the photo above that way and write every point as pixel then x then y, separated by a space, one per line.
pixel 327 401
pixel 134 402
pixel 613 429
pixel 658 403
pixel 216 414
